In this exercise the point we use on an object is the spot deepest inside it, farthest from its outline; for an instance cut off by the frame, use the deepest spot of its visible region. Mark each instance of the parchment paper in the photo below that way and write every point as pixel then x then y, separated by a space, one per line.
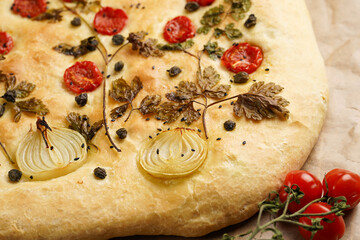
pixel 337 29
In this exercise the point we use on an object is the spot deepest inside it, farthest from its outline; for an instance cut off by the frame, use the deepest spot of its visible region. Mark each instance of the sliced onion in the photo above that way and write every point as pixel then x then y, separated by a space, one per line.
pixel 174 153
pixel 40 162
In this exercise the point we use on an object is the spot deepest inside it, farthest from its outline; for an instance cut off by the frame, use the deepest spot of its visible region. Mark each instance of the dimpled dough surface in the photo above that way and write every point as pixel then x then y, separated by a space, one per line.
pixel 234 177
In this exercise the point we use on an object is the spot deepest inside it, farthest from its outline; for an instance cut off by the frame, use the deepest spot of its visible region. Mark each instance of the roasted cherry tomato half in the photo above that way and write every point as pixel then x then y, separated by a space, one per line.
pixel 202 2
pixel 67 0
pixel 29 8
pixel 179 29
pixel 343 183
pixel 83 77
pixel 242 57
pixel 6 43
pixel 331 231
pixel 309 185
pixel 110 21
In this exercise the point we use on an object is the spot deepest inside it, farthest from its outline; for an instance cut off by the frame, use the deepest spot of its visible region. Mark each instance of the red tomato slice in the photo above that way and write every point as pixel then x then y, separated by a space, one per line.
pixel 6 43
pixel 242 57
pixel 110 21
pixel 83 77
pixel 309 185
pixel 343 183
pixel 29 8
pixel 179 29
pixel 67 0
pixel 202 2
pixel 331 231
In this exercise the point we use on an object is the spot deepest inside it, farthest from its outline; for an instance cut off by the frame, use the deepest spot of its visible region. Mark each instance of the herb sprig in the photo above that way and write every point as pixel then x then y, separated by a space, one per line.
pixel 273 206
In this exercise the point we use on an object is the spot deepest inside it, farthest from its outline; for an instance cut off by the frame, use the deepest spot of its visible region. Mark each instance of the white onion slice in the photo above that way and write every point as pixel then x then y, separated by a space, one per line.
pixel 36 160
pixel 174 153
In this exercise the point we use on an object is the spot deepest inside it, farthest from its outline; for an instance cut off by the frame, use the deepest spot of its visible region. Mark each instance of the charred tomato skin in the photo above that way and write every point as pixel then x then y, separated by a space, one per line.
pixel 179 29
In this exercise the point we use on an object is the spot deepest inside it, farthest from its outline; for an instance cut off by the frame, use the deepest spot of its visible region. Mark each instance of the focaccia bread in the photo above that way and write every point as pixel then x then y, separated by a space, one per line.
pixel 234 171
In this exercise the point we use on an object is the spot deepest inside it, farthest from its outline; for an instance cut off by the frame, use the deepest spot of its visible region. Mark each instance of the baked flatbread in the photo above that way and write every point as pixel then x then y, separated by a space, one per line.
pixel 240 166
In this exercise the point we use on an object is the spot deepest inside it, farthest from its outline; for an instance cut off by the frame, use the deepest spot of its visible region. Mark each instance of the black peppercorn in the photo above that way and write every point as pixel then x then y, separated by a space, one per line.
pixel 174 71
pixel 82 99
pixel 241 77
pixel 14 175
pixel 10 96
pixel 192 6
pixel 229 125
pixel 122 133
pixel 251 21
pixel 76 22
pixel 100 172
pixel 118 39
pixel 119 66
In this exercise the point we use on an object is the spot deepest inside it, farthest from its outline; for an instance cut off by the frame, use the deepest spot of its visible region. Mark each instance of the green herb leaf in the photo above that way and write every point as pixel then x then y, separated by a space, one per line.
pixel 239 8
pixel 82 125
pixel 190 114
pixel 203 30
pixel 52 15
pixel 170 111
pixel 212 17
pixel 231 32
pixel 176 46
pixel 122 92
pixel 32 105
pixel 227 237
pixel 210 78
pixel 119 111
pixel 214 50
pixel 185 92
pixel 23 89
pixel 146 48
pixel 261 102
pixel 149 104
pixel 87 6
pixel 8 79
pixel 87 45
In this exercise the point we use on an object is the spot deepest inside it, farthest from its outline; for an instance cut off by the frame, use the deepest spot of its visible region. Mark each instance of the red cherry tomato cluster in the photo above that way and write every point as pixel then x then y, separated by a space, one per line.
pixel 336 183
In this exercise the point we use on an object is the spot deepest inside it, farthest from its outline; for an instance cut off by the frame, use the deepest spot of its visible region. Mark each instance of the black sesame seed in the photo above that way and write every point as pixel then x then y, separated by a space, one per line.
pixel 121 133
pixel 229 125
pixel 83 145
pixel 267 69
pixel 199 130
pixel 182 155
pixel 100 173
pixel 31 177
pixel 147 119
pixel 150 137
pixel 108 76
pixel 153 67
pixel 118 39
pixel 81 99
pixel 111 147
pixel 52 148
pixel 159 129
pixel 14 175
pixel 218 139
pixel 157 151
pixel 75 159
pixel 220 106
pixel 76 22
pixel 193 150
pixel 119 66
pixel 168 129
pixel 244 142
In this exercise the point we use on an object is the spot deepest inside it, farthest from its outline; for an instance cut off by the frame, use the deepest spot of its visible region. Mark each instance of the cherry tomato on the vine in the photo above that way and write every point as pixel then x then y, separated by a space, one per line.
pixel 6 43
pixel 202 2
pixel 309 185
pixel 179 29
pixel 110 21
pixel 29 8
pixel 242 57
pixel 83 77
pixel 343 183
pixel 331 231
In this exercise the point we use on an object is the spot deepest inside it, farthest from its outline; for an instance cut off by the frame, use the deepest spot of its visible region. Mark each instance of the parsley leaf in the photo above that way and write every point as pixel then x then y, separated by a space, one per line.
pixel 87 45
pixel 231 32
pixel 122 92
pixel 32 105
pixel 214 50
pixel 146 48
pixel 176 46
pixel 209 84
pixel 185 92
pixel 82 125
pixel 53 15
pixel 261 102
pixel 149 104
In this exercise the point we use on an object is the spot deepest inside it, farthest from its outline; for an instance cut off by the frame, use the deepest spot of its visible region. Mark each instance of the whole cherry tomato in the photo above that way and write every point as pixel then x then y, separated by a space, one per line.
pixel 29 8
pixel 343 183
pixel 110 21
pixel 242 57
pixel 6 43
pixel 309 185
pixel 331 231
pixel 202 2
pixel 83 77
pixel 179 29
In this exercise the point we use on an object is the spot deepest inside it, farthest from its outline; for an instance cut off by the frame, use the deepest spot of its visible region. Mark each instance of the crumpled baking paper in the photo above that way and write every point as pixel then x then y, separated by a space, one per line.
pixel 337 29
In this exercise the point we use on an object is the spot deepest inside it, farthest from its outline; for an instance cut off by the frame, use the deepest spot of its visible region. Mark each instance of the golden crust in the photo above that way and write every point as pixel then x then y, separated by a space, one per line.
pixel 234 177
